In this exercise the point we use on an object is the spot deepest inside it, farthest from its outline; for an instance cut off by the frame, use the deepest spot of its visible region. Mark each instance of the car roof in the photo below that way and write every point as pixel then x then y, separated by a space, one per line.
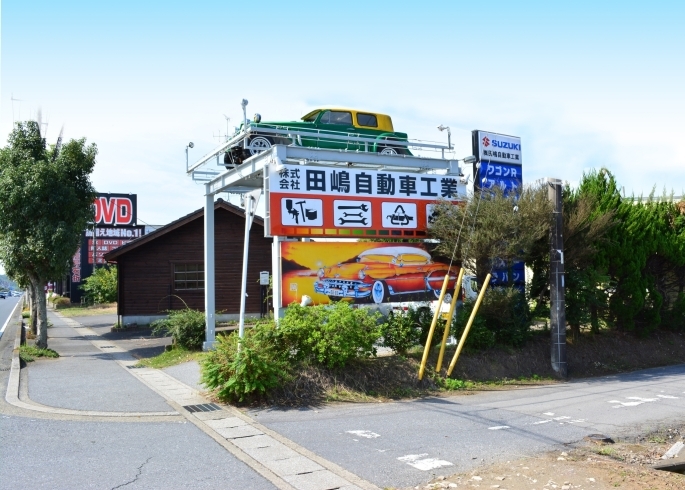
pixel 338 108
pixel 395 251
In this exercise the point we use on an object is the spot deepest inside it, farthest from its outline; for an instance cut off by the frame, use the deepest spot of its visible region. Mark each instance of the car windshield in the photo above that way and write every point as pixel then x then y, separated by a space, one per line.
pixel 384 259
pixel 311 117
pixel 409 259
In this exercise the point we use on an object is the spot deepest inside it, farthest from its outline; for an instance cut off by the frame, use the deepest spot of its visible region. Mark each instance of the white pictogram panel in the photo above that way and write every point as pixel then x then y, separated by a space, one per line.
pixel 399 215
pixel 352 214
pixel 301 212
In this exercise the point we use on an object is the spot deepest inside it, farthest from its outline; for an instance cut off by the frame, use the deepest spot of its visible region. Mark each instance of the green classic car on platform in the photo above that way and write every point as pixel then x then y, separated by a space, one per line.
pixel 331 128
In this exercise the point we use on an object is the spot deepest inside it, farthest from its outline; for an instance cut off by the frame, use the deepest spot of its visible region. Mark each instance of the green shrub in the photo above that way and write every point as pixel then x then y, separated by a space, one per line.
pixel 186 326
pixel 480 338
pixel 503 318
pixel 329 335
pixel 60 302
pixel 400 332
pixel 259 365
pixel 101 286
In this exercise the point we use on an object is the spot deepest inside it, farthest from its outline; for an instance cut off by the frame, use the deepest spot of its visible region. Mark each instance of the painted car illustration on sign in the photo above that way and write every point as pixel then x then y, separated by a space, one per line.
pixel 332 128
pixel 379 274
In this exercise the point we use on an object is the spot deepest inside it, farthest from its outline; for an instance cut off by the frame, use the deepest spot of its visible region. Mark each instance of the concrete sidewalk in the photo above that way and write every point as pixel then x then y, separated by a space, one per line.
pixel 86 378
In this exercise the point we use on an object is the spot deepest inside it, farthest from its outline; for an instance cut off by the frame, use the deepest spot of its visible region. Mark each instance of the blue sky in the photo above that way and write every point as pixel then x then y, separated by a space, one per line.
pixel 584 84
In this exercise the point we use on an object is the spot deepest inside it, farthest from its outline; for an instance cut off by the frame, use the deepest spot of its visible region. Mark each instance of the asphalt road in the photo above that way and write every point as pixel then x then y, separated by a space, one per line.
pixel 406 443
pixel 6 307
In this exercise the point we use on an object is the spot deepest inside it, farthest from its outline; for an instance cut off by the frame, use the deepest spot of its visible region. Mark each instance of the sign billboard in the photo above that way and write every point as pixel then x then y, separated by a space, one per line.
pixel 495 147
pixel 334 201
pixel 499 164
pixel 107 238
pixel 361 272
pixel 116 209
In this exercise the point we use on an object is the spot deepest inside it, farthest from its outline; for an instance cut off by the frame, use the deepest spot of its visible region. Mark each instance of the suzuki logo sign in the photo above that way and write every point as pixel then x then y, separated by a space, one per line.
pixel 115 209
pixel 486 141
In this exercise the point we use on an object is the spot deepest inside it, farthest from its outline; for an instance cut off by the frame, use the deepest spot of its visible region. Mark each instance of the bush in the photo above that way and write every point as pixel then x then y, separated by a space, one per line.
pixel 329 335
pixel 401 331
pixel 503 318
pixel 101 286
pixel 61 302
pixel 480 338
pixel 259 365
pixel 186 326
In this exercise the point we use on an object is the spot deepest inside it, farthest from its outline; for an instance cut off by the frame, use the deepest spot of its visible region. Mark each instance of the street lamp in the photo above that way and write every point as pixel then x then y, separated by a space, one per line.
pixel 189 145
pixel 449 135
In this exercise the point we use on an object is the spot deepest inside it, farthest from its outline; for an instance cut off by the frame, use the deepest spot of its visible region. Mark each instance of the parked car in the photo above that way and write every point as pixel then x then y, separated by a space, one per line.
pixel 3 294
pixel 382 273
pixel 330 128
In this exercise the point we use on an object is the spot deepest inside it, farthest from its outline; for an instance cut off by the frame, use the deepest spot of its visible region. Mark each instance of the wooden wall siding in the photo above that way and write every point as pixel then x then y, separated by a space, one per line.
pixel 146 272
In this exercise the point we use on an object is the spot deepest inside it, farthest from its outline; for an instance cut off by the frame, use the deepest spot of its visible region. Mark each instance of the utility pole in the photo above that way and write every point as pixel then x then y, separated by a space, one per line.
pixel 556 281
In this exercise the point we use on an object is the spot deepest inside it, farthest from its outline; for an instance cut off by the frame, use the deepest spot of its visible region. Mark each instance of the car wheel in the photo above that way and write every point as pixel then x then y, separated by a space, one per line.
pixel 334 299
pixel 259 144
pixel 388 150
pixel 379 292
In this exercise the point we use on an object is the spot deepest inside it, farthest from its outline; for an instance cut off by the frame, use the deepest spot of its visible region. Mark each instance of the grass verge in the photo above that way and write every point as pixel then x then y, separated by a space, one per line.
pixel 177 355
pixel 73 311
pixel 28 353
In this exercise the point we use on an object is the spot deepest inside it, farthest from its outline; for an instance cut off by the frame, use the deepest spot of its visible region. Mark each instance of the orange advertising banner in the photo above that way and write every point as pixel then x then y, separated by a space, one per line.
pixel 355 203
pixel 361 272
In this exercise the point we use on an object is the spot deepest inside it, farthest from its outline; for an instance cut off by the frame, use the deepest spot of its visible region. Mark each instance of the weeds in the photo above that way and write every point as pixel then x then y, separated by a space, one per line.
pixel 28 353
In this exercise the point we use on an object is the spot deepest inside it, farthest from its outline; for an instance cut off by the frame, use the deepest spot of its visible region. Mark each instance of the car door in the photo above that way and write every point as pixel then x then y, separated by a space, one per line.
pixel 336 123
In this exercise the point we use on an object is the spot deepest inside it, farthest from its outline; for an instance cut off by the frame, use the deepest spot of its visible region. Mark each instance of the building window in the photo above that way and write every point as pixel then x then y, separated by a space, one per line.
pixel 189 276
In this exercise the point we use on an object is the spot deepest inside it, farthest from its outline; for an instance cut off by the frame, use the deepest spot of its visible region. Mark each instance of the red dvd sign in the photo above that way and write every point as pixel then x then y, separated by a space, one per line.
pixel 116 209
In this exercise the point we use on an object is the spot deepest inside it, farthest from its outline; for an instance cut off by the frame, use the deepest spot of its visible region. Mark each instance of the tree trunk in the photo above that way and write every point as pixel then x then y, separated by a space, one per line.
pixel 33 304
pixel 42 338
pixel 594 318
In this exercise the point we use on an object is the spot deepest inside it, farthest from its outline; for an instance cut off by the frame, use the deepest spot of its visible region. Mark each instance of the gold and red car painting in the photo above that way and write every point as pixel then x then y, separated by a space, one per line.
pixel 362 272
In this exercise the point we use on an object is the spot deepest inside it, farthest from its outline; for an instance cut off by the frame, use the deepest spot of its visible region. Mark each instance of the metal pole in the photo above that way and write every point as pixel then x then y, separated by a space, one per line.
pixel 276 277
pixel 246 248
pixel 468 325
pixel 448 322
pixel 556 281
pixel 210 305
pixel 427 349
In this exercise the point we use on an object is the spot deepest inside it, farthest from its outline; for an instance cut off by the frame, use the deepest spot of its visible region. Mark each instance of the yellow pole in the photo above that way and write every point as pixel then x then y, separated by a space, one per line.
pixel 468 325
pixel 426 350
pixel 453 305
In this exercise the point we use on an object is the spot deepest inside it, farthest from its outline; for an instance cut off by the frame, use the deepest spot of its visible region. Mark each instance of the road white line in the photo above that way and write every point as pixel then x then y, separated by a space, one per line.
pixel 542 422
pixel 561 418
pixel 364 433
pixel 499 427
pixel 423 464
pixel 669 397
pixel 551 414
pixel 2 330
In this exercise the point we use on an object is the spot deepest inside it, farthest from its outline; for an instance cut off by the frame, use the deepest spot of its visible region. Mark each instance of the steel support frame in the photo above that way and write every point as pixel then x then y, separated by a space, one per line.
pixel 250 176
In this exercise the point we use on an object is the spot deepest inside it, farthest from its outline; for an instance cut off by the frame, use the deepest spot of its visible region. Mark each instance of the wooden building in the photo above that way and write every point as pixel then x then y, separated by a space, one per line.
pixel 164 270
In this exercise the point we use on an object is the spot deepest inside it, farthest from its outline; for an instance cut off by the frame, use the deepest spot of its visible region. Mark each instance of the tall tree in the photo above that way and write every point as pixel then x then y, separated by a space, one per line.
pixel 46 198
pixel 493 227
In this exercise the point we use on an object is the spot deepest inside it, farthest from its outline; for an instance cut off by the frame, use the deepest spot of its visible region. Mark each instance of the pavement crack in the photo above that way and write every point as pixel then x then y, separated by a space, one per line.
pixel 135 478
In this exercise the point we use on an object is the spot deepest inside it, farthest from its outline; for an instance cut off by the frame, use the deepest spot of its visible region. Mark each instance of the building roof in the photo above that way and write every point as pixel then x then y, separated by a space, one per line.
pixel 159 232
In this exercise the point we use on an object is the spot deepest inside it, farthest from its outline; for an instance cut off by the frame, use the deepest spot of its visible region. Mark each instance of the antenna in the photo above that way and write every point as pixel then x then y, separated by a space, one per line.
pixel 225 136
pixel 15 100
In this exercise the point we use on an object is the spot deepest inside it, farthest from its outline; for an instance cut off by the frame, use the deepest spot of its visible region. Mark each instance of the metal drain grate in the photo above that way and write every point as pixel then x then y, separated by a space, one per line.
pixel 135 367
pixel 106 347
pixel 207 407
